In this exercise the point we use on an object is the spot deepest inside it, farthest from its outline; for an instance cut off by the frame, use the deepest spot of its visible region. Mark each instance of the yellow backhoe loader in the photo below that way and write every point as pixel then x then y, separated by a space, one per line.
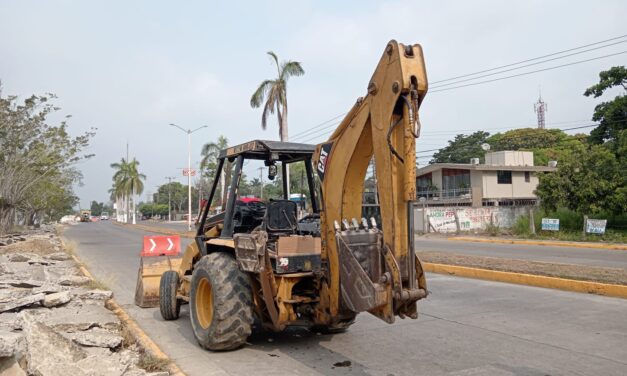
pixel 256 259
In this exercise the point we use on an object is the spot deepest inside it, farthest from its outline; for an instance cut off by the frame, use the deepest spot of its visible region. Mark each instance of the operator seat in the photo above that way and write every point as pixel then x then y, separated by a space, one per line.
pixel 281 217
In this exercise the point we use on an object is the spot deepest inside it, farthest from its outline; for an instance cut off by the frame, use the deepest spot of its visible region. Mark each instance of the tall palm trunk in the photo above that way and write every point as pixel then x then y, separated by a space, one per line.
pixel 284 138
pixel 134 211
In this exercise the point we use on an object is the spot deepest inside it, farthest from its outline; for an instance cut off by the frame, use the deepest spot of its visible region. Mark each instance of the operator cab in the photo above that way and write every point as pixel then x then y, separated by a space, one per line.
pixel 278 216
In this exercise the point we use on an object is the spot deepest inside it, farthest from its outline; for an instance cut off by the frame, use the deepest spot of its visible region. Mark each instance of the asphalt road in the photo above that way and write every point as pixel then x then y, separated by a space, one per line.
pixel 466 327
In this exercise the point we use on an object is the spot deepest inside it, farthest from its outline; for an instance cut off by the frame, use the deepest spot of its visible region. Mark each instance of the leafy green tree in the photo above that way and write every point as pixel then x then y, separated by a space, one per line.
pixel 274 93
pixel 96 208
pixel 37 160
pixel 588 180
pixel 462 148
pixel 611 115
pixel 546 144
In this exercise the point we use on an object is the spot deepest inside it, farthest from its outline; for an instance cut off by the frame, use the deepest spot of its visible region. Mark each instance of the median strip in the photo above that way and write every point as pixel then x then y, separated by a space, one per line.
pixel 622 247
pixel 605 289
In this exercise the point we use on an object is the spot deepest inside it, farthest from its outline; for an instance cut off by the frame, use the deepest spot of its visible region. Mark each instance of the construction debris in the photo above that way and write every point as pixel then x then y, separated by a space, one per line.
pixel 50 322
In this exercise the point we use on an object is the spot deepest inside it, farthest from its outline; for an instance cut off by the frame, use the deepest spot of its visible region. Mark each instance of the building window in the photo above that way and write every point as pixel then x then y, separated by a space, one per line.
pixel 504 177
pixel 527 177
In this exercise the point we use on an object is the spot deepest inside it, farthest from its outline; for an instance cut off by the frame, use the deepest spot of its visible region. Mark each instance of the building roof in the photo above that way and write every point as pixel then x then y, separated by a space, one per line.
pixel 481 167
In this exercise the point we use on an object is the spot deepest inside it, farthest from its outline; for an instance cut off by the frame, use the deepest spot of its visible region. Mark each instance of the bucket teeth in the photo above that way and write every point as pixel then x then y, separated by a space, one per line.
pixel 347 226
pixel 373 222
pixel 364 223
pixel 355 224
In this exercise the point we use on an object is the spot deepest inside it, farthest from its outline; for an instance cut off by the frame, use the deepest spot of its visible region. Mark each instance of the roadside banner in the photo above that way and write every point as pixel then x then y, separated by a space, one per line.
pixel 596 226
pixel 550 224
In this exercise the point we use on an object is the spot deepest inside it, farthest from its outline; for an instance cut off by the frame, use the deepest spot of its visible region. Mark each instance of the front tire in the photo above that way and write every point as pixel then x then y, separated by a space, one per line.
pixel 221 309
pixel 169 305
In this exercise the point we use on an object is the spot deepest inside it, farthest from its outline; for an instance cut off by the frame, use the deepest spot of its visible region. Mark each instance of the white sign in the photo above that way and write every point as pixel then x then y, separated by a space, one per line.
pixel 188 172
pixel 596 226
pixel 550 224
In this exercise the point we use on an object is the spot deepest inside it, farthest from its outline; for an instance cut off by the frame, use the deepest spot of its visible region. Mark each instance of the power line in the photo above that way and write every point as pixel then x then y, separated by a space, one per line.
pixel 298 135
pixel 528 60
pixel 525 66
pixel 527 73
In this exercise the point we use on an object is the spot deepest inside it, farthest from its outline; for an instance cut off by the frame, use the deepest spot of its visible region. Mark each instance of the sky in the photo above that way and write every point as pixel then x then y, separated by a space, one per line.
pixel 131 68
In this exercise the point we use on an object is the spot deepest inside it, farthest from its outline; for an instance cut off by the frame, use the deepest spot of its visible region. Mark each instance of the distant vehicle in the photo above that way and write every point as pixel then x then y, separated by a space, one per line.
pixel 104 216
pixel 85 215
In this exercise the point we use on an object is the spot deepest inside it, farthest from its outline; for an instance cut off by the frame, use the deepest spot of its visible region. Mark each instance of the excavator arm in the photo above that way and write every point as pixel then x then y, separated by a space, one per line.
pixel 372 267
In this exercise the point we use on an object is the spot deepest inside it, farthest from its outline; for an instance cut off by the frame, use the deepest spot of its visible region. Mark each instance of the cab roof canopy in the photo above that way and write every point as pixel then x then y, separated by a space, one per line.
pixel 270 151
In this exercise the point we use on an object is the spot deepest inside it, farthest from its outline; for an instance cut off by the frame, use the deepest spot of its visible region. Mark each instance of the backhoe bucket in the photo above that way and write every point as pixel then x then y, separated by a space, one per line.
pixel 154 261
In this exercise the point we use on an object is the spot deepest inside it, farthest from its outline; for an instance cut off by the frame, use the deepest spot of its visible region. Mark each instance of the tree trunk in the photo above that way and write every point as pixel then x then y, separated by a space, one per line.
pixel 7 214
pixel 134 208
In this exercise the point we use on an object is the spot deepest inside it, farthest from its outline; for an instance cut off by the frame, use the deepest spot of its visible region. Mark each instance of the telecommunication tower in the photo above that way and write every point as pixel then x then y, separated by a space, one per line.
pixel 540 108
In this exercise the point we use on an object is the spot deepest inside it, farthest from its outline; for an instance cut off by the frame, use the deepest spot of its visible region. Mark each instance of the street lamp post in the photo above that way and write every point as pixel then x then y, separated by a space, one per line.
pixel 189 171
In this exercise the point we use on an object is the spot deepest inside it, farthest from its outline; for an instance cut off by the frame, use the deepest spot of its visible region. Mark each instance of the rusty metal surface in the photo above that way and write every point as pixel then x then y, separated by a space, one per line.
pixel 359 292
pixel 149 278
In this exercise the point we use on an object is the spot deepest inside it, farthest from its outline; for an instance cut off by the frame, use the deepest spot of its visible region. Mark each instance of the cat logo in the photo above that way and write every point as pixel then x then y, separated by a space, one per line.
pixel 325 150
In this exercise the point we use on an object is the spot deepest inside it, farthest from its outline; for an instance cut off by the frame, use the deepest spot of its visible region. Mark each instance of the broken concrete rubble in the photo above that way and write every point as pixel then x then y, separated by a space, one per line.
pixel 57 299
pixel 73 280
pixel 50 322
pixel 22 302
pixel 97 295
pixel 11 343
pixel 59 256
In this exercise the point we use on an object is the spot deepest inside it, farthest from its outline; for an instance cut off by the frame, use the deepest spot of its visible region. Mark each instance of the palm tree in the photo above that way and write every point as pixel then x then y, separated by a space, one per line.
pixel 118 189
pixel 127 182
pixel 274 92
pixel 134 184
pixel 209 163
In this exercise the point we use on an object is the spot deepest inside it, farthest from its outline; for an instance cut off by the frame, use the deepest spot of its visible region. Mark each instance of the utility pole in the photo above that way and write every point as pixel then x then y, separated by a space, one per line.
pixel 189 171
pixel 261 183
pixel 169 197
pixel 540 108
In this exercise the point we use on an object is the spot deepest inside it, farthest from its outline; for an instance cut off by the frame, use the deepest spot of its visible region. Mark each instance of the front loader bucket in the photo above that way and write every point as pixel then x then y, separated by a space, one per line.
pixel 159 254
pixel 149 278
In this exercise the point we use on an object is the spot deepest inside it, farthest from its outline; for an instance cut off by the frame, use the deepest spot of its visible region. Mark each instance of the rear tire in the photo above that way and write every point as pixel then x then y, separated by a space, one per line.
pixel 169 305
pixel 221 309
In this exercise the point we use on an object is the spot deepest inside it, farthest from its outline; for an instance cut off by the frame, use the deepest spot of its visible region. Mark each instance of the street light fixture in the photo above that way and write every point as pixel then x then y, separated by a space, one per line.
pixel 189 171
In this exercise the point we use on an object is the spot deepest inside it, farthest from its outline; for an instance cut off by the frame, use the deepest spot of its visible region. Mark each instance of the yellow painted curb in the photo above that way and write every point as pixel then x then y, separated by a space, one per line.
pixel 137 332
pixel 158 230
pixel 622 247
pixel 605 289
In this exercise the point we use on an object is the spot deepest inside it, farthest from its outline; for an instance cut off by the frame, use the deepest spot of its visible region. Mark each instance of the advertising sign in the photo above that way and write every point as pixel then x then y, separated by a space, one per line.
pixel 550 224
pixel 596 226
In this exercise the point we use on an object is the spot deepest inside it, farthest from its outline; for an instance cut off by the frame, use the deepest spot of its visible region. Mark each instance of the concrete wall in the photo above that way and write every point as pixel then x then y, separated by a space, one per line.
pixel 518 189
pixel 470 219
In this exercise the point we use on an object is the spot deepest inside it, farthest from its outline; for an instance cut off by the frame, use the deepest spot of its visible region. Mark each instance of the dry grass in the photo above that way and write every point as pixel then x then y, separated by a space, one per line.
pixel 95 284
pixel 577 272
pixel 41 247
pixel 151 363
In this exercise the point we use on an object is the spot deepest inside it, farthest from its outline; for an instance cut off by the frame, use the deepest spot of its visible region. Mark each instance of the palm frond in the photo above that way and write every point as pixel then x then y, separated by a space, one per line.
pixel 260 94
pixel 275 58
pixel 289 69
